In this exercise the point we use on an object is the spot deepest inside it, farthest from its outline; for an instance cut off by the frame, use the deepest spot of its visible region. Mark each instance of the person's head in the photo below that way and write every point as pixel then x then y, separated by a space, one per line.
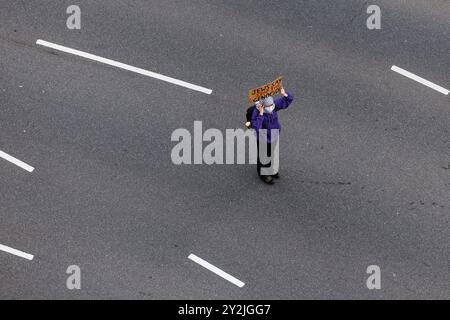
pixel 268 104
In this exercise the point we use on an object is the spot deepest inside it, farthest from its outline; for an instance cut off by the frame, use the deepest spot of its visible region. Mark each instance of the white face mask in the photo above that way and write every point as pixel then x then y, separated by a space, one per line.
pixel 269 109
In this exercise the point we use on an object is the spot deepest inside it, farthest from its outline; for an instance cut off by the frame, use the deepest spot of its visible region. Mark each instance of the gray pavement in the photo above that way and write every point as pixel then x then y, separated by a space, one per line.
pixel 365 152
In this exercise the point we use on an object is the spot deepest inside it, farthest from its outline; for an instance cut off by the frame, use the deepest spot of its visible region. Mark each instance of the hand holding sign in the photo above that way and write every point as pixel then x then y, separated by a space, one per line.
pixel 260 108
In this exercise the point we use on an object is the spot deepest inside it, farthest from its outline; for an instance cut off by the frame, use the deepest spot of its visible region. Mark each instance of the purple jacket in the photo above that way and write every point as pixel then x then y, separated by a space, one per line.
pixel 269 121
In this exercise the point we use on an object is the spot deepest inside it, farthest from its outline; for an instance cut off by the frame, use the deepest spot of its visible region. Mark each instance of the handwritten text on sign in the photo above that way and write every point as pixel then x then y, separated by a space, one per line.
pixel 265 91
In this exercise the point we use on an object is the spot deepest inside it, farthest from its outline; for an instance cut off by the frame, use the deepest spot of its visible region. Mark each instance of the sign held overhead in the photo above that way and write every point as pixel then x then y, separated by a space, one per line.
pixel 266 90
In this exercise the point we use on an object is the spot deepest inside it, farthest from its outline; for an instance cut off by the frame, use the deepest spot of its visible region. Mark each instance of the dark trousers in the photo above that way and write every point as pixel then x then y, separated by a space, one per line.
pixel 259 164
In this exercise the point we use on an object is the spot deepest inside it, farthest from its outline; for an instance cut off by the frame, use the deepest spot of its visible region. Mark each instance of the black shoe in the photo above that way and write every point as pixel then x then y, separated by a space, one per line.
pixel 267 179
pixel 276 176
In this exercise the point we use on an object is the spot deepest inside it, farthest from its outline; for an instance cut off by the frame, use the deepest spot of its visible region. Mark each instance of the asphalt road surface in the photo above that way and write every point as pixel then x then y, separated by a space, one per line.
pixel 365 151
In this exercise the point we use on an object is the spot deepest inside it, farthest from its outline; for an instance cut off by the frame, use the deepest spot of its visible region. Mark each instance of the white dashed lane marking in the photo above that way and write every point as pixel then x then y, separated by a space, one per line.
pixel 216 270
pixel 420 80
pixel 124 66
pixel 15 161
pixel 16 252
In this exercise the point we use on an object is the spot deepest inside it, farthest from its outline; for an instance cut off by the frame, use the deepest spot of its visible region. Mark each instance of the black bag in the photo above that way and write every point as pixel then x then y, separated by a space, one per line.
pixel 249 114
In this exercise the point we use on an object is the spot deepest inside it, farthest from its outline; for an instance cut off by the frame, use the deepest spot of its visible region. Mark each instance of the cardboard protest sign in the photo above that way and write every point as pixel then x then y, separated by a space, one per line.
pixel 266 90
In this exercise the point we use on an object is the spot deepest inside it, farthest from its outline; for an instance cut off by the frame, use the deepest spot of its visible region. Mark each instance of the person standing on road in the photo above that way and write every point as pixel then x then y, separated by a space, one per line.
pixel 265 116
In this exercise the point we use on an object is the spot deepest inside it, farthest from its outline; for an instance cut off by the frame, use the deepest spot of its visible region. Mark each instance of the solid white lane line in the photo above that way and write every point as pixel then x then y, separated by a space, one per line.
pixel 16 252
pixel 216 270
pixel 420 80
pixel 124 66
pixel 17 162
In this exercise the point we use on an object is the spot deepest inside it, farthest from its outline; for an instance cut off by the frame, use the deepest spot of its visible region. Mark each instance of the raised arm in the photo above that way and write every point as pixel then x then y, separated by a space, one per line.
pixel 284 101
pixel 257 117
